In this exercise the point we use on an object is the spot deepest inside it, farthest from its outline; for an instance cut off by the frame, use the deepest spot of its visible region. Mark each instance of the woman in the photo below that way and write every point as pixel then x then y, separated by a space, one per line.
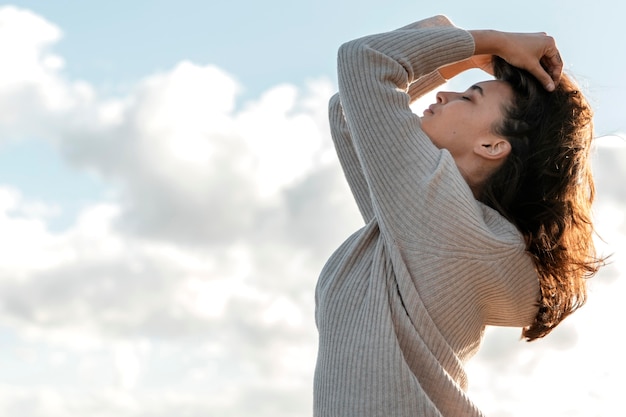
pixel 476 214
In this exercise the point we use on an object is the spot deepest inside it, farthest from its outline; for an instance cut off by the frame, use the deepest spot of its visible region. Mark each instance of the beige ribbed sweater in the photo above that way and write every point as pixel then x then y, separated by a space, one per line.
pixel 403 302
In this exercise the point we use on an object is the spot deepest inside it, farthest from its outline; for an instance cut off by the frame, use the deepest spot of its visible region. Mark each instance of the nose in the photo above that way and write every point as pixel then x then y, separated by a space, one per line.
pixel 444 96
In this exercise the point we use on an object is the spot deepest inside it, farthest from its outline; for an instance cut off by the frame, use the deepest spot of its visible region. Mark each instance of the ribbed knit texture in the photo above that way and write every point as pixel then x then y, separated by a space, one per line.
pixel 404 301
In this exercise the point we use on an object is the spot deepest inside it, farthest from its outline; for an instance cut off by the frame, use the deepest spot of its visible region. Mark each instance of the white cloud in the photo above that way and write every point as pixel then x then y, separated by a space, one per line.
pixel 25 37
pixel 197 245
pixel 197 274
pixel 24 242
pixel 32 94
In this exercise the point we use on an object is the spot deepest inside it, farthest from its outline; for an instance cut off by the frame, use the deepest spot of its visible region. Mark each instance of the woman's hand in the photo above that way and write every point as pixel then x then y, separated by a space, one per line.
pixel 537 53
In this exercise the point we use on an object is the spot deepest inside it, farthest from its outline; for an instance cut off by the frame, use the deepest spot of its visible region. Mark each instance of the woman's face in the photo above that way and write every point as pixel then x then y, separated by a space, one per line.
pixel 459 122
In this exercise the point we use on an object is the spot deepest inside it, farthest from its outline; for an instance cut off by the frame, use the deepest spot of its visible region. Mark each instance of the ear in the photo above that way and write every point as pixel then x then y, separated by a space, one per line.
pixel 493 148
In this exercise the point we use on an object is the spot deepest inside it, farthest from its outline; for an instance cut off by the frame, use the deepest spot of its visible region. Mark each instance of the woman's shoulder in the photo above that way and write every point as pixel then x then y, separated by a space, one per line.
pixel 502 229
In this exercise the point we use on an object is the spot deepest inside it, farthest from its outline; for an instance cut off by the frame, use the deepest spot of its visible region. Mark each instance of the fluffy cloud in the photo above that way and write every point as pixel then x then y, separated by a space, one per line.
pixel 32 94
pixel 196 276
pixel 200 265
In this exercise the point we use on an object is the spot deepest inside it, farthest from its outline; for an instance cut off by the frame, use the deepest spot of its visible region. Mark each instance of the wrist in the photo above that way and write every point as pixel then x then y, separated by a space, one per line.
pixel 488 42
pixel 452 70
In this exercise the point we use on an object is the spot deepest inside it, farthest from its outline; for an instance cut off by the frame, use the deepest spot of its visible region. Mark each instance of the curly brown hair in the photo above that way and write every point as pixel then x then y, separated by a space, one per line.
pixel 546 188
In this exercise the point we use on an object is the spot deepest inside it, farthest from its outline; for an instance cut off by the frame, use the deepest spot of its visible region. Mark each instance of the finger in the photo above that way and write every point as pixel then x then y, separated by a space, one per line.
pixel 555 66
pixel 543 77
pixel 552 61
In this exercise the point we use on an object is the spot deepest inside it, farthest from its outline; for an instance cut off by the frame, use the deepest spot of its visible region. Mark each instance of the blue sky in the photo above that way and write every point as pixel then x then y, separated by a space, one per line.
pixel 169 193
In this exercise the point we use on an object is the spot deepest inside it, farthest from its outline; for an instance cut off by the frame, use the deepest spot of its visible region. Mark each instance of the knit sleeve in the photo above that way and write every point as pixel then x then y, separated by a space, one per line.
pixel 396 157
pixel 340 132
pixel 349 159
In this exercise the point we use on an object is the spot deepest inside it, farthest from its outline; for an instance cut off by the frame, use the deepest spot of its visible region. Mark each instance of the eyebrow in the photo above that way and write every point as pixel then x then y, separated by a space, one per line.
pixel 478 88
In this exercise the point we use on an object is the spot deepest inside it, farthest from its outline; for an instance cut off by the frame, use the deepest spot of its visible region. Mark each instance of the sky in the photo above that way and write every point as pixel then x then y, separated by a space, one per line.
pixel 169 193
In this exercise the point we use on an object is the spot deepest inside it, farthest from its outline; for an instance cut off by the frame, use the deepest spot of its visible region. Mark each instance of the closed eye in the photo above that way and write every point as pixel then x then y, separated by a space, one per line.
pixel 466 98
